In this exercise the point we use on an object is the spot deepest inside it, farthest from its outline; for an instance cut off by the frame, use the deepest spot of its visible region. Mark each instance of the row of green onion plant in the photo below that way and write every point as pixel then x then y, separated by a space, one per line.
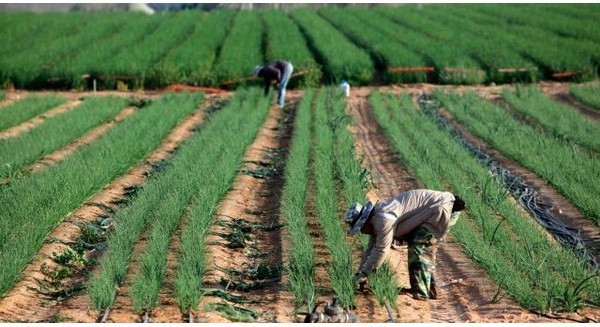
pixel 302 258
pixel 587 94
pixel 192 61
pixel 341 59
pixel 241 50
pixel 340 268
pixel 283 40
pixel 355 180
pixel 388 54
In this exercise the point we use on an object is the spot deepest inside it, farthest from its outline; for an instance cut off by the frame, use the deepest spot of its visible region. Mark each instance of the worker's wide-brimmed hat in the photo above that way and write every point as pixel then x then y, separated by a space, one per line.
pixel 357 215
pixel 256 69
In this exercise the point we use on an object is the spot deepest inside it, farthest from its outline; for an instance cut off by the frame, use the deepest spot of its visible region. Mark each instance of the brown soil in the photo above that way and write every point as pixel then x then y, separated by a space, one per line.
pixel 23 302
pixel 256 201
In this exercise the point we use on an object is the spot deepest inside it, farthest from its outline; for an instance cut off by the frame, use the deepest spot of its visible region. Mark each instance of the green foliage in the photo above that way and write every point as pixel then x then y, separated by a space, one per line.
pixel 27 108
pixel 560 120
pixel 384 286
pixel 242 49
pixel 192 61
pixel 387 51
pixel 284 40
pixel 572 299
pixel 342 59
pixel 452 63
pixel 56 132
pixel 340 269
pixel 588 94
pixel 302 263
pixel 234 313
pixel 231 131
pixel 570 168
pixel 76 260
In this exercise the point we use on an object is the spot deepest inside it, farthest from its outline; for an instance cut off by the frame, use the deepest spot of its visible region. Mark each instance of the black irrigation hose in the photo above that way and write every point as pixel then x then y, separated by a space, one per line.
pixel 525 194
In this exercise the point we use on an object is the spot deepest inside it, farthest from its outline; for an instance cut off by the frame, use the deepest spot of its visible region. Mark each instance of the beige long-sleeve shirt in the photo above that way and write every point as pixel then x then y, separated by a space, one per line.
pixel 399 215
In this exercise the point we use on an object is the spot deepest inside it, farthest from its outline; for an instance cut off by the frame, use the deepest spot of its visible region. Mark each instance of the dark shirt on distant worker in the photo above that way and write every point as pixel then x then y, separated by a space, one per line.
pixel 272 72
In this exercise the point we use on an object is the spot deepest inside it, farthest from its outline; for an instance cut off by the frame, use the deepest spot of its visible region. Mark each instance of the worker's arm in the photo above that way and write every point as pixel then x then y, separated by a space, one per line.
pixel 384 236
pixel 367 253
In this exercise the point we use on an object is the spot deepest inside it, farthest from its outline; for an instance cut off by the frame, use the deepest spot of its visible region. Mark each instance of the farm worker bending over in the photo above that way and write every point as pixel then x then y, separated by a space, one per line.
pixel 419 217
pixel 279 72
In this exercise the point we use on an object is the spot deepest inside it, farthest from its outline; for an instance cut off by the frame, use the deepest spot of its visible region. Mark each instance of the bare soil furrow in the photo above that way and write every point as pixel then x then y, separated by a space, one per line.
pixel 253 203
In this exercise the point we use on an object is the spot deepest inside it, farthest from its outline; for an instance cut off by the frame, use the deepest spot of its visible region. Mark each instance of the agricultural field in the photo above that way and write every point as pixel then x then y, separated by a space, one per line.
pixel 135 202
pixel 437 43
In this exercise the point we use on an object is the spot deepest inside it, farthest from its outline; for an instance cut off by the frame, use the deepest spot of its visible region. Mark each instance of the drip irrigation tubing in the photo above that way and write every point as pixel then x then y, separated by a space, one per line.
pixel 525 194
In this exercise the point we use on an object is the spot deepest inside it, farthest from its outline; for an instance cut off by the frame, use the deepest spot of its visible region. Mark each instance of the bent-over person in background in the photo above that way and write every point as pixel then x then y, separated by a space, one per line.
pixel 277 72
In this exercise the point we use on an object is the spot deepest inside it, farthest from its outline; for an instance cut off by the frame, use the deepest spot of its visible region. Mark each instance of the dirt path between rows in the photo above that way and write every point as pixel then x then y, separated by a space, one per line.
pixel 465 291
pixel 23 302
pixel 253 203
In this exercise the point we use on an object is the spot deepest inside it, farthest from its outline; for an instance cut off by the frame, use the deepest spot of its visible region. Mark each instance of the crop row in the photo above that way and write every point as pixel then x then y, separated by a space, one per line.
pixel 36 204
pixel 500 61
pixel 560 120
pixel 339 179
pixel 536 272
pixel 589 95
pixel 302 263
pixel 284 40
pixel 355 180
pixel 387 52
pixel 340 269
pixel 192 61
pixel 566 166
pixel 242 49
pixel 56 132
pixel 27 108
pixel 341 59
pixel 545 49
pixel 71 50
